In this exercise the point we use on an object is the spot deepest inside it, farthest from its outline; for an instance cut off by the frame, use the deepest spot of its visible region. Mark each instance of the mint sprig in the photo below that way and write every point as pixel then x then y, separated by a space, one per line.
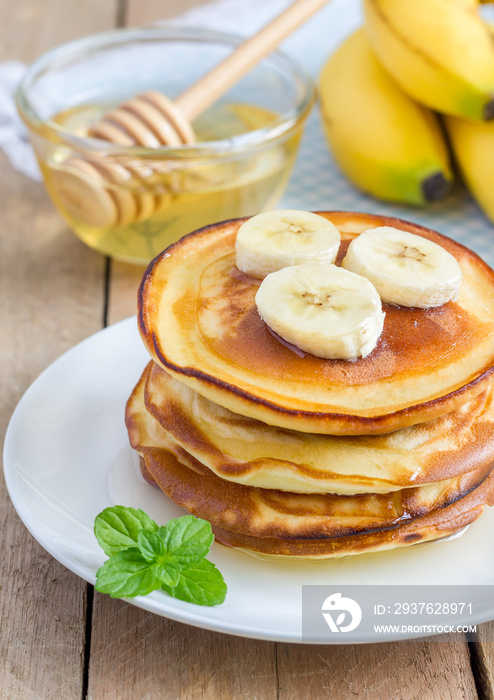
pixel 145 557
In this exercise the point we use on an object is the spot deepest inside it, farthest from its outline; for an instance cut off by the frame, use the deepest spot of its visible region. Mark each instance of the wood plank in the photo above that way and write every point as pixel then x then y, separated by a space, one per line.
pixel 51 288
pixel 44 274
pixel 418 670
pixel 482 653
pixel 31 27
pixel 125 280
pixel 147 11
pixel 136 654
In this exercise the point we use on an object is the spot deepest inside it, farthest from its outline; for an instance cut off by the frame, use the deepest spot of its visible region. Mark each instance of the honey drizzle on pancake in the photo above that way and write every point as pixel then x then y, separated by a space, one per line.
pixel 411 339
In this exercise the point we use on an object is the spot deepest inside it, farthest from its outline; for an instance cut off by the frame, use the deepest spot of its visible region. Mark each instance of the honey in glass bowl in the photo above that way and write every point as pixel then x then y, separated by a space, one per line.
pixel 132 202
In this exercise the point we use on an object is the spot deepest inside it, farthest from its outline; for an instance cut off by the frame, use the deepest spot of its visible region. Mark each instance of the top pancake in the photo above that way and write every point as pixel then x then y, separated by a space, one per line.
pixel 198 319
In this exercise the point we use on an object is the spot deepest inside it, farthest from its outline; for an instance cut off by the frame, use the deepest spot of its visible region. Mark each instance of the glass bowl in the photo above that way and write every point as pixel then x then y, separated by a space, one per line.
pixel 130 202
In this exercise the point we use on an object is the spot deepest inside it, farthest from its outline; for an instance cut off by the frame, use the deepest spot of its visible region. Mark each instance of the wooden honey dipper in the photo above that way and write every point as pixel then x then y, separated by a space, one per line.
pixel 90 190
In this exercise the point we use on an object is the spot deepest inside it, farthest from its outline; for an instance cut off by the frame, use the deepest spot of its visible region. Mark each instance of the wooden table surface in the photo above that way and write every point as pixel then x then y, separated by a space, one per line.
pixel 58 640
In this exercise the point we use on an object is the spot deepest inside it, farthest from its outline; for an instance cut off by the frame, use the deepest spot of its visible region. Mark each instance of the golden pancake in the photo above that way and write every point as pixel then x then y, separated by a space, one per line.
pixel 437 525
pixel 268 513
pixel 198 320
pixel 186 488
pixel 193 491
pixel 251 452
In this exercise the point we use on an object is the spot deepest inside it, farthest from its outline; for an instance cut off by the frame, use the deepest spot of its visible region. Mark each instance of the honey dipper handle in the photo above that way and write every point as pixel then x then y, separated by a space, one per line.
pixel 214 84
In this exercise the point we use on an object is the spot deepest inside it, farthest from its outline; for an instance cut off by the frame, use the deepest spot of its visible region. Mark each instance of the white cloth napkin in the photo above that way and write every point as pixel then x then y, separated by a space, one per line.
pixel 13 133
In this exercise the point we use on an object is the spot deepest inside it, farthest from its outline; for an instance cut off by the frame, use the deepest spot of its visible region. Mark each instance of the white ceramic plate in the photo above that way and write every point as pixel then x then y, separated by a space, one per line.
pixel 67 457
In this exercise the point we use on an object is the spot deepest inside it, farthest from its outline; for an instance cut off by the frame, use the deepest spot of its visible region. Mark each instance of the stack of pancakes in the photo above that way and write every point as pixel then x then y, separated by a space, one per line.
pixel 289 454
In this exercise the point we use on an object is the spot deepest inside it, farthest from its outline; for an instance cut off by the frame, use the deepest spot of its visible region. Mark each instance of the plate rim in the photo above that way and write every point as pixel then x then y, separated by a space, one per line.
pixel 167 607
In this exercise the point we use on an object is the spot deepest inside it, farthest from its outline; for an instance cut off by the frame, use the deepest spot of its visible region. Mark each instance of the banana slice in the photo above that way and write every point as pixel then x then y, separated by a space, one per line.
pixel 276 239
pixel 406 269
pixel 322 309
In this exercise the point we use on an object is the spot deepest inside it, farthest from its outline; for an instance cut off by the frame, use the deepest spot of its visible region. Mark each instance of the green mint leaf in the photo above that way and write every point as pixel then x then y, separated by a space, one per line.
pixel 117 528
pixel 128 574
pixel 168 571
pixel 150 545
pixel 188 538
pixel 201 584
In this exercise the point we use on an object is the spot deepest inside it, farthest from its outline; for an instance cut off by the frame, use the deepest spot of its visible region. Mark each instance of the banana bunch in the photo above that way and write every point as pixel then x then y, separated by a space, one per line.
pixel 336 312
pixel 379 89
pixel 386 143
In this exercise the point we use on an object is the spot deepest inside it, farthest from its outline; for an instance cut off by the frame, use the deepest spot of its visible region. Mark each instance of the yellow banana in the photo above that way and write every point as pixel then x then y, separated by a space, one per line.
pixel 440 51
pixel 384 142
pixel 473 145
